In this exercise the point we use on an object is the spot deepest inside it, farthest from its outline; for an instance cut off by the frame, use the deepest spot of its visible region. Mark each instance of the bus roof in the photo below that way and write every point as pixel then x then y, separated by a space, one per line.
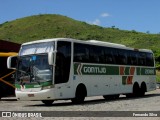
pixel 7 54
pixel 106 43
pixel 46 40
pixel 93 42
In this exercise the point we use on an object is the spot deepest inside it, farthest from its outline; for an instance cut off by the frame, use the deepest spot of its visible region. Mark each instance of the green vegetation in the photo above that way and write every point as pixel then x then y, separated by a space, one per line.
pixel 158 76
pixel 53 26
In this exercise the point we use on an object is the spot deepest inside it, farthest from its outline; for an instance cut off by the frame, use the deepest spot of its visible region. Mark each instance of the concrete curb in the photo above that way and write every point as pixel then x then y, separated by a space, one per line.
pixel 8 99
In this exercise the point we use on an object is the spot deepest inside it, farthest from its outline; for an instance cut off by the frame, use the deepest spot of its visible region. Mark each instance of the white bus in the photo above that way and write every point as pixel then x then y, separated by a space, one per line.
pixel 64 68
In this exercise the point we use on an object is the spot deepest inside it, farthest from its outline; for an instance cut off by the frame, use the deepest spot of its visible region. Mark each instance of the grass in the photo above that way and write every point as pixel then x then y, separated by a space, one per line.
pixel 158 76
pixel 52 26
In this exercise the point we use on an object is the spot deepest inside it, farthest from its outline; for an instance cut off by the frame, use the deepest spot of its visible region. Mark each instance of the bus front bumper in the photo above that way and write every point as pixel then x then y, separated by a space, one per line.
pixel 47 94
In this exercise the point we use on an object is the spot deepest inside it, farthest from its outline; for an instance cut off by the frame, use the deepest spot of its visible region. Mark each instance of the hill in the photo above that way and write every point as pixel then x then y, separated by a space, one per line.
pixel 52 26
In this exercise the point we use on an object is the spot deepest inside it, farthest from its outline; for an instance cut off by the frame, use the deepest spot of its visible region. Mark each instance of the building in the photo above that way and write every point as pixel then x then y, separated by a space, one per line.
pixel 5 76
pixel 6 46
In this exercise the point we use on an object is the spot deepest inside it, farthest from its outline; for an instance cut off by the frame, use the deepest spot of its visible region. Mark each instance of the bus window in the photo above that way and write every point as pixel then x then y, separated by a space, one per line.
pixel 101 54
pixel 142 59
pixel 63 61
pixel 149 59
pixel 109 56
pixel 81 52
pixel 132 58
pixel 94 54
pixel 122 57
pixel 115 58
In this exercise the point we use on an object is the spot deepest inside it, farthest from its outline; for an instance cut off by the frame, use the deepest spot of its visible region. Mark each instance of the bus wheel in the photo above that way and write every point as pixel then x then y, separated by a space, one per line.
pixel 143 89
pixel 136 90
pixel 108 97
pixel 81 93
pixel 129 95
pixel 47 102
pixel 116 96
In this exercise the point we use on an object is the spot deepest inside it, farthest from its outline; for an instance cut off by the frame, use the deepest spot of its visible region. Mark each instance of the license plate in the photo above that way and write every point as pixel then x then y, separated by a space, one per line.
pixel 30 95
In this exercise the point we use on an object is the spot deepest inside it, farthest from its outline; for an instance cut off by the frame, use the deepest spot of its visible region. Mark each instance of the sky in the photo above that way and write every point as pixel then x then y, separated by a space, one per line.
pixel 138 15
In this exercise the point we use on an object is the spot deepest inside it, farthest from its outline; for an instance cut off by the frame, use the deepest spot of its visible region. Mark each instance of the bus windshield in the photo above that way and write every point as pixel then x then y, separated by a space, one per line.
pixel 37 48
pixel 34 68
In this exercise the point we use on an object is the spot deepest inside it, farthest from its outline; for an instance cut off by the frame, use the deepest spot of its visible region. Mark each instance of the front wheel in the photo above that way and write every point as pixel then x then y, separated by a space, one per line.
pixel 47 102
pixel 80 95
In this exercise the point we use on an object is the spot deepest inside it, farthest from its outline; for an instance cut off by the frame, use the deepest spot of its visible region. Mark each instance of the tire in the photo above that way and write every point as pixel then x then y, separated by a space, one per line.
pixel 130 95
pixel 47 102
pixel 116 96
pixel 111 97
pixel 80 95
pixel 136 90
pixel 143 89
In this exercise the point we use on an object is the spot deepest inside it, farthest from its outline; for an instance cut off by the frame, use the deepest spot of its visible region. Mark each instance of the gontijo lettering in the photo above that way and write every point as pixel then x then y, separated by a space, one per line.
pixel 94 70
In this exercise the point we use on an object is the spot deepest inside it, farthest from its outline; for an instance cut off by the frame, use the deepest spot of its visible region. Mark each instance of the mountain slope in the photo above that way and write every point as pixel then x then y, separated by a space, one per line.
pixel 51 26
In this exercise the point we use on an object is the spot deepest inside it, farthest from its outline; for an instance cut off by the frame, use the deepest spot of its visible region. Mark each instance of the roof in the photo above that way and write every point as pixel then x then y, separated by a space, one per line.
pixel 93 42
pixel 6 46
pixel 6 54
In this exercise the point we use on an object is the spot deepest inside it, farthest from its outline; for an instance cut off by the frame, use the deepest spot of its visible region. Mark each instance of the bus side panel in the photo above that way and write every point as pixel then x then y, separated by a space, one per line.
pixel 150 81
pixel 103 84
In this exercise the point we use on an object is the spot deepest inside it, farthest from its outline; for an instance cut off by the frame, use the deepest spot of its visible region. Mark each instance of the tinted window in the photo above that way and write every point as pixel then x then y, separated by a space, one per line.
pixel 106 55
pixel 81 53
pixel 142 59
pixel 63 61
pixel 122 57
pixel 149 59
pixel 110 56
pixel 132 58
pixel 96 54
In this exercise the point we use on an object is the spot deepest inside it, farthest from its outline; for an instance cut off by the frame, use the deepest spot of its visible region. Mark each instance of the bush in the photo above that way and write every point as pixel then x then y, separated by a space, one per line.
pixel 158 67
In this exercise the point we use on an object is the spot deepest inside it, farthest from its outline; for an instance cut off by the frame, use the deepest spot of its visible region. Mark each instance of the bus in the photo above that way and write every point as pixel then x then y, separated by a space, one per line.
pixel 64 68
pixel 6 82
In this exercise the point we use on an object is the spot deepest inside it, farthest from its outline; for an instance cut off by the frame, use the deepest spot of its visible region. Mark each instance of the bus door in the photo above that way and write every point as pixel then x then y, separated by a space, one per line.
pixel 62 70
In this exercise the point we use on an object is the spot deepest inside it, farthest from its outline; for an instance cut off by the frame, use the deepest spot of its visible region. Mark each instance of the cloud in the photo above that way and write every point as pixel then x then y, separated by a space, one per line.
pixel 105 15
pixel 95 22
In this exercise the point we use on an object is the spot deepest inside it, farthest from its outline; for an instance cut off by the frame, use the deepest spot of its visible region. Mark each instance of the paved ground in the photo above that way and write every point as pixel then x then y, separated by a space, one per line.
pixel 150 102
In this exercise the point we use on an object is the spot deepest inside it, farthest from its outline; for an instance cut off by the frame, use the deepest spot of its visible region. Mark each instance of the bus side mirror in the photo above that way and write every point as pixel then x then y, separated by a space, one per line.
pixel 51 58
pixel 12 62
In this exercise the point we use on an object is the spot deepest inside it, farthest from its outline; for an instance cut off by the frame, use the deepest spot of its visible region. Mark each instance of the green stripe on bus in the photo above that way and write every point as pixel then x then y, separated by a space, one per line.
pixel 90 69
pixel 124 80
pixel 138 71
pixel 85 69
pixel 127 71
pixel 148 71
